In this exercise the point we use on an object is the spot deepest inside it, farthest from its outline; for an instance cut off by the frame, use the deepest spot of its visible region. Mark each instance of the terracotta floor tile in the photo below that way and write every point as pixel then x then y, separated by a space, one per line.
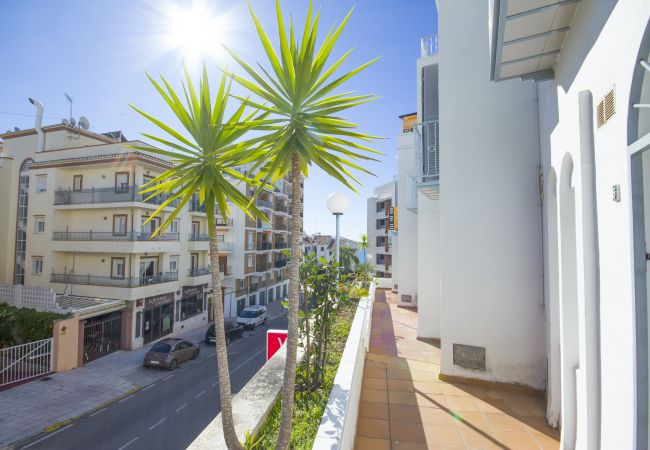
pixel 517 440
pixel 407 445
pixel 443 435
pixel 431 400
pixel 373 410
pixel 374 383
pixel 374 373
pixel 428 387
pixel 493 406
pixel 475 439
pixel 436 416
pixel 401 385
pixel 523 405
pixel 504 422
pixel 402 398
pixel 476 421
pixel 399 374
pixel 377 428
pixel 457 390
pixel 374 395
pixel 407 431
pixel 461 404
pixel 367 443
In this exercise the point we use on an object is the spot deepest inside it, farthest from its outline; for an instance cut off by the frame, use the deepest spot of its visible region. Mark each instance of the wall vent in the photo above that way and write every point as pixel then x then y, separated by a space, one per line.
pixel 469 357
pixel 606 108
pixel 407 298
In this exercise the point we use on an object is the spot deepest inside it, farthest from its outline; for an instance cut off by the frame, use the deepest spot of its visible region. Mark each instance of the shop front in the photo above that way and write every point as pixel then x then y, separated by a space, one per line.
pixel 158 317
pixel 191 309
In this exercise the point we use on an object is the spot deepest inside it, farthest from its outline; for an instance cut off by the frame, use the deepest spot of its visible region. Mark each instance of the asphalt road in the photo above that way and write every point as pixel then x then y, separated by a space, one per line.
pixel 169 413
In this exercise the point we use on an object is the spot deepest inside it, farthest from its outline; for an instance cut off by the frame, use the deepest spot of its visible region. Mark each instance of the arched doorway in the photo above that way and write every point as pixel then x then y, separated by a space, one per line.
pixel 569 330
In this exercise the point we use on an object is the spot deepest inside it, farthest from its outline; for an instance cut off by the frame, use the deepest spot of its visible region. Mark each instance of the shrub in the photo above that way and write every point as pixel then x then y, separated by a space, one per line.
pixel 22 325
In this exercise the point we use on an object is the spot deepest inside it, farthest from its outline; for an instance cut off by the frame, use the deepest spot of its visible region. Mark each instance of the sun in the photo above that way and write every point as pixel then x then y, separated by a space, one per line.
pixel 196 31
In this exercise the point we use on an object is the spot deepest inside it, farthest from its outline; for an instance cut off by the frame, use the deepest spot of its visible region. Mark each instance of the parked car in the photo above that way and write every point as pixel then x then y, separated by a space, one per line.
pixel 252 316
pixel 169 353
pixel 233 331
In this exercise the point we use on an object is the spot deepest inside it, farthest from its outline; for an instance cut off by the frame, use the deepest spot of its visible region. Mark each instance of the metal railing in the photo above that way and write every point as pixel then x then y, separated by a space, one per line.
pixel 110 236
pixel 280 226
pixel 198 271
pixel 429 45
pixel 264 203
pixel 109 195
pixel 262 267
pixel 279 263
pixel 199 237
pixel 281 208
pixel 221 222
pixel 264 245
pixel 132 282
pixel 263 225
pixel 280 245
pixel 25 361
pixel 195 206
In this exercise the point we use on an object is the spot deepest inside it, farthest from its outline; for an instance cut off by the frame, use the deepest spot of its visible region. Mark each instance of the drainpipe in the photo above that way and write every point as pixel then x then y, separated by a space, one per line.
pixel 39 119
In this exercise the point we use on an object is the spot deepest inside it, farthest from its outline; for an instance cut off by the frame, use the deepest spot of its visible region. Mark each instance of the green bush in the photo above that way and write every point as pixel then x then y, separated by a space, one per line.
pixel 22 325
pixel 310 404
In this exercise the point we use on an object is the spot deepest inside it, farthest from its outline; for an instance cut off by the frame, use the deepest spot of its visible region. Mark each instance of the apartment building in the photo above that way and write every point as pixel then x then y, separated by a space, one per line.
pixel 380 213
pixel 75 222
pixel 324 246
pixel 523 191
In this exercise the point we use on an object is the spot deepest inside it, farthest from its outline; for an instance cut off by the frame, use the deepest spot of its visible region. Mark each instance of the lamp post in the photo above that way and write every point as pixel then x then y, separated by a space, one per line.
pixel 337 203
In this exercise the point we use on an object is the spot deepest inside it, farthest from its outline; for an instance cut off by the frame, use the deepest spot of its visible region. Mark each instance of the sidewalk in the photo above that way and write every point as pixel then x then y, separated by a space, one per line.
pixel 404 404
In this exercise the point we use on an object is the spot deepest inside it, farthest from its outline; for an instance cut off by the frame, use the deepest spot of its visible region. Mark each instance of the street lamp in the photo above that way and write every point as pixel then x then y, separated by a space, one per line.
pixel 337 203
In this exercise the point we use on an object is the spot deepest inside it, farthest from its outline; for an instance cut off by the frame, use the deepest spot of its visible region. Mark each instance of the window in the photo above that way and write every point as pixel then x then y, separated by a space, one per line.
pixel 41 183
pixel 37 265
pixel 174 227
pixel 39 224
pixel 191 307
pixel 277 292
pixel 196 228
pixel 121 181
pixel 138 324
pixel 117 267
pixel 249 263
pixel 77 182
pixel 194 261
pixel 119 224
pixel 173 263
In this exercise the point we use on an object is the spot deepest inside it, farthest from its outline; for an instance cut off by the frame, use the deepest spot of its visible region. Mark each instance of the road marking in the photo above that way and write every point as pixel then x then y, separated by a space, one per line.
pixel 247 361
pixel 212 354
pixel 199 394
pixel 181 407
pixel 167 377
pixel 157 423
pixel 97 412
pixel 49 435
pixel 125 398
pixel 148 387
pixel 214 384
pixel 128 443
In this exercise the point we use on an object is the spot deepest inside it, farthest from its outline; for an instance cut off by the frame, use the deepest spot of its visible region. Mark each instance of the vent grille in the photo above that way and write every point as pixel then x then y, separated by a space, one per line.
pixel 407 298
pixel 606 109
pixel 469 356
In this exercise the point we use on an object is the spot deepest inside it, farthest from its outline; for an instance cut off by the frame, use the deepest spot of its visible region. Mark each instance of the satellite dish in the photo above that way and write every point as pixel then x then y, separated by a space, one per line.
pixel 84 124
pixel 65 122
pixel 72 121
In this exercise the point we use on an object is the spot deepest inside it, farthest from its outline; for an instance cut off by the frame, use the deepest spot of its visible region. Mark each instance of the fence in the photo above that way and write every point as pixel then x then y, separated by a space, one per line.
pixel 25 361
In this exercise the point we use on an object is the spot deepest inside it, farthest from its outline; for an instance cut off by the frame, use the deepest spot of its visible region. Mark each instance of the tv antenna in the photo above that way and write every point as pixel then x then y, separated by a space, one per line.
pixel 69 99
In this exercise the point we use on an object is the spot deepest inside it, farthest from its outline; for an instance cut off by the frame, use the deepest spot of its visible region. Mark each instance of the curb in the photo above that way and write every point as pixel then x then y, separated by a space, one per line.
pixel 55 426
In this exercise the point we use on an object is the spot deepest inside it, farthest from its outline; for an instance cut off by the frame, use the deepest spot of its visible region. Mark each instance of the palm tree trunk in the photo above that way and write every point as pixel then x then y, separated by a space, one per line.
pixel 289 388
pixel 229 433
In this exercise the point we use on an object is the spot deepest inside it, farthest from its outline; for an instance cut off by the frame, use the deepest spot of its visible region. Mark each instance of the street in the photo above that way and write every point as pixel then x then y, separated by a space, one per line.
pixel 169 413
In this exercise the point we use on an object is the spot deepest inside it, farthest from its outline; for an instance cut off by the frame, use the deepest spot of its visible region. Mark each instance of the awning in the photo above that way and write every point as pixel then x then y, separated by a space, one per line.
pixel 527 36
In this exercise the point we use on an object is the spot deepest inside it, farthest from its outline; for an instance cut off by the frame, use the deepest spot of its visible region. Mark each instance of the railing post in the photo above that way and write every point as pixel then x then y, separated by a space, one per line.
pixel 92 195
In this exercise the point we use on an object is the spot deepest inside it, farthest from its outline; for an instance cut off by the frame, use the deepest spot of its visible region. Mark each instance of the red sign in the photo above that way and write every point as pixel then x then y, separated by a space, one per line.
pixel 274 341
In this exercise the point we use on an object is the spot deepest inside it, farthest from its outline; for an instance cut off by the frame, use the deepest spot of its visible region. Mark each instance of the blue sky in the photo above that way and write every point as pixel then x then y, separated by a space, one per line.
pixel 98 52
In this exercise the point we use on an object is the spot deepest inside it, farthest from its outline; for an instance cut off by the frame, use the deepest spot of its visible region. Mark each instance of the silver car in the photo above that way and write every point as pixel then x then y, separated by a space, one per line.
pixel 169 353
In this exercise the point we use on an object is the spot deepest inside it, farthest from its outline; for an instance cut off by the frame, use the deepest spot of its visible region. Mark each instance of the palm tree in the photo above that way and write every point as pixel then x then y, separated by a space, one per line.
pixel 297 90
pixel 363 245
pixel 205 162
pixel 348 258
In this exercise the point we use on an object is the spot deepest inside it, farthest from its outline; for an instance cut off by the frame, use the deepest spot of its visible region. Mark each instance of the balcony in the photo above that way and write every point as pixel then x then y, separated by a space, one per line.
pixel 262 266
pixel 198 271
pixel 280 263
pixel 263 246
pixel 280 245
pixel 281 208
pixel 109 195
pixel 263 225
pixel 264 203
pixel 195 206
pixel 429 45
pixel 93 280
pixel 199 237
pixel 280 226
pixel 221 222
pixel 110 236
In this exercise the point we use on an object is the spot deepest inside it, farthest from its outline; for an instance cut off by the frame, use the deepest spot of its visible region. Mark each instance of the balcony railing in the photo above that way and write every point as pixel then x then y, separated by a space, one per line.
pixel 280 245
pixel 108 195
pixel 221 222
pixel 281 226
pixel 264 245
pixel 109 236
pixel 195 206
pixel 133 282
pixel 263 225
pixel 264 203
pixel 279 263
pixel 199 237
pixel 262 267
pixel 198 271
pixel 429 45
pixel 282 208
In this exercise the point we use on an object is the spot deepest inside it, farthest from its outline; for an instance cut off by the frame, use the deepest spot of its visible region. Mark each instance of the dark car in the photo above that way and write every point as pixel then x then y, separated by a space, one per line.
pixel 169 353
pixel 233 331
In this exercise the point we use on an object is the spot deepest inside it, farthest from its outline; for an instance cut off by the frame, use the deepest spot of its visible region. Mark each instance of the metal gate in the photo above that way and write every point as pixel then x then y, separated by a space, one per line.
pixel 25 361
pixel 102 335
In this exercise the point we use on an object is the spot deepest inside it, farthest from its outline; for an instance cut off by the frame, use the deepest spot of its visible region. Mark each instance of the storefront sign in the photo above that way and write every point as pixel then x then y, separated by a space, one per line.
pixel 274 341
pixel 158 300
pixel 193 291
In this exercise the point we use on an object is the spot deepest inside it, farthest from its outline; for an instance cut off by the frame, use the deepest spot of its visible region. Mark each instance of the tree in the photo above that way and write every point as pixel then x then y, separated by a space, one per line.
pixel 297 89
pixel 205 162
pixel 363 245
pixel 348 258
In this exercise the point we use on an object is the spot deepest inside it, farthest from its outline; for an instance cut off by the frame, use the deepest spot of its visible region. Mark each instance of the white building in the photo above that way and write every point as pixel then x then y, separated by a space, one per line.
pixel 74 221
pixel 380 239
pixel 531 233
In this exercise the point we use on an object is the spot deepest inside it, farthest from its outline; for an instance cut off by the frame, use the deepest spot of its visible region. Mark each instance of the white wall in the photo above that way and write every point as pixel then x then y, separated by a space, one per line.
pixel 489 207
pixel 406 239
pixel 428 267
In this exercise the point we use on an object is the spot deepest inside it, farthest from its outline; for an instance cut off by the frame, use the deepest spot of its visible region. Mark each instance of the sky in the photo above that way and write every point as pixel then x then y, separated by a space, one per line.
pixel 99 51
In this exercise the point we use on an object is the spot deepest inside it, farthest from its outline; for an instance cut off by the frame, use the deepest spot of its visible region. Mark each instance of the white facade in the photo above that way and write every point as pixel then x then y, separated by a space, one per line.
pixel 542 216
pixel 381 245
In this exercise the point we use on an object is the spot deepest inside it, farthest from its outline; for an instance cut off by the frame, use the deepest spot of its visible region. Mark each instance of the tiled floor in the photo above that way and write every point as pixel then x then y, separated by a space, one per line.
pixel 405 406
